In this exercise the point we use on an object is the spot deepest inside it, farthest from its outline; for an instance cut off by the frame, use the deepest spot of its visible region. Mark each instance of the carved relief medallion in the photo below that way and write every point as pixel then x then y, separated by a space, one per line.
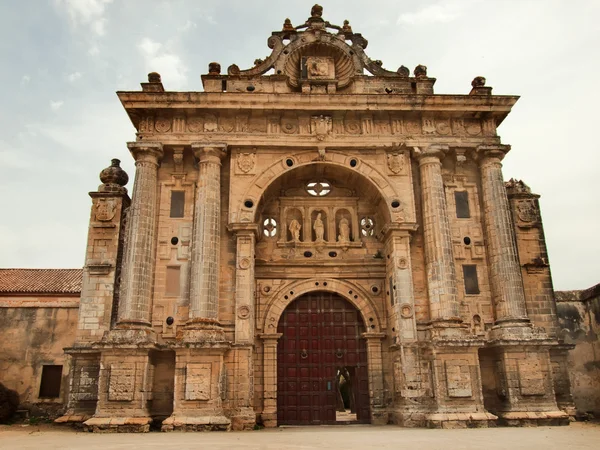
pixel 246 162
pixel 352 126
pixel 227 124
pixel 473 128
pixel 195 124
pixel 443 127
pixel 105 209
pixel 243 312
pixel 244 263
pixel 413 127
pixel 406 311
pixel 162 124
pixel 402 263
pixel 319 68
pixel 289 125
pixel 395 162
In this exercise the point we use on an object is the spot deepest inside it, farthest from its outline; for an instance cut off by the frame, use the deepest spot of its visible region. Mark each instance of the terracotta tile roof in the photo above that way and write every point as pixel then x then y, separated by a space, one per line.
pixel 40 281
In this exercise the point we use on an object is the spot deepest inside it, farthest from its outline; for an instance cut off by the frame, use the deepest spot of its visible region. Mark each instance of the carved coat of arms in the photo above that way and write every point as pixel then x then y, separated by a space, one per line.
pixel 105 209
pixel 395 162
pixel 526 211
pixel 321 126
pixel 246 162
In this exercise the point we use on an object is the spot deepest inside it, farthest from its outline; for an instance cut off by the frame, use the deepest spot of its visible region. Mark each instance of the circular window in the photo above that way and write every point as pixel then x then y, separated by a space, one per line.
pixel 367 226
pixel 269 227
pixel 318 188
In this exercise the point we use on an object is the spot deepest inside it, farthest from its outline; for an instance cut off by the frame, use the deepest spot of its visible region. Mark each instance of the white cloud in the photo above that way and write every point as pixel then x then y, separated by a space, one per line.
pixel 74 76
pixel 161 60
pixel 443 12
pixel 56 105
pixel 25 79
pixel 187 26
pixel 94 50
pixel 87 13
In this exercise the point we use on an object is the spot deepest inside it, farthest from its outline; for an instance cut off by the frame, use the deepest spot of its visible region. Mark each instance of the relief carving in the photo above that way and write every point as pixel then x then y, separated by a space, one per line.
pixel 246 162
pixel 428 125
pixel 210 123
pixel 443 127
pixel 321 126
pixel 195 124
pixel 179 124
pixel 289 125
pixel 227 124
pixel 413 127
pixel 526 211
pixel 105 209
pixel 473 127
pixel 162 124
pixel 352 126
pixel 396 163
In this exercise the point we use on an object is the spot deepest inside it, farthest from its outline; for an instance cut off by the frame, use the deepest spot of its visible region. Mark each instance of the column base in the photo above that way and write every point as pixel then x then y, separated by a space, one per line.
pixel 118 424
pixel 203 330
pixel 449 329
pixel 533 418
pixel 243 419
pixel 196 423
pixel 133 335
pixel 269 419
pixel 72 419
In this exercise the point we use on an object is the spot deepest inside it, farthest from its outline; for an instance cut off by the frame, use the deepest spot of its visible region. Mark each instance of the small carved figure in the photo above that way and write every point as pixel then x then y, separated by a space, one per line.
pixel 319 228
pixel 344 235
pixel 346 28
pixel 214 68
pixel 420 71
pixel 295 230
pixel 478 82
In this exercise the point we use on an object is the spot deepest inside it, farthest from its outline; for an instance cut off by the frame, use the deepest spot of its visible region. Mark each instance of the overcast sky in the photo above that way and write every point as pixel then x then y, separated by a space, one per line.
pixel 63 60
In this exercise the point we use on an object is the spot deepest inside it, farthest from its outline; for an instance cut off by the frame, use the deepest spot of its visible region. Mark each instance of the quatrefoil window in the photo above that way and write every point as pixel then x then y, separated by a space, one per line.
pixel 367 226
pixel 318 188
pixel 269 227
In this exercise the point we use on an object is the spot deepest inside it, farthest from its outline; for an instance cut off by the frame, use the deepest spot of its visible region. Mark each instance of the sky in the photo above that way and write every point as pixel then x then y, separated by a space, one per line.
pixel 63 60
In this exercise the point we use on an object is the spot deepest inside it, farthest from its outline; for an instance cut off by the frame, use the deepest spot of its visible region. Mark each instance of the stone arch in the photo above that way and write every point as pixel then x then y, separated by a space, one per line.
pixel 363 303
pixel 368 171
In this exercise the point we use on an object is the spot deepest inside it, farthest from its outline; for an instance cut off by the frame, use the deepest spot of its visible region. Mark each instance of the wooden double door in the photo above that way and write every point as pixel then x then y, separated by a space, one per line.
pixel 321 336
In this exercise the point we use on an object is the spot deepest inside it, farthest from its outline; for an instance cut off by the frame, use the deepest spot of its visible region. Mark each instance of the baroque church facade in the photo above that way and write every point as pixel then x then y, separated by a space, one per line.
pixel 312 221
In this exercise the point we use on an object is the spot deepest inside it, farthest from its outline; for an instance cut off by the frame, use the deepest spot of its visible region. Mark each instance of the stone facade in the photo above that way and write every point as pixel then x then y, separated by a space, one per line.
pixel 301 175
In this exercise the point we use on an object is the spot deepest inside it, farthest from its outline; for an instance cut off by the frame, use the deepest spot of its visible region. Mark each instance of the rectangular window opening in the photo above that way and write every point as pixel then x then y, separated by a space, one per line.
pixel 50 383
pixel 173 280
pixel 470 276
pixel 462 204
pixel 177 203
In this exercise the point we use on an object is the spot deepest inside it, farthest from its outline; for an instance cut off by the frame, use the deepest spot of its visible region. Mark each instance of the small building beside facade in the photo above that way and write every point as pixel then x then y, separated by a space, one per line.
pixel 311 240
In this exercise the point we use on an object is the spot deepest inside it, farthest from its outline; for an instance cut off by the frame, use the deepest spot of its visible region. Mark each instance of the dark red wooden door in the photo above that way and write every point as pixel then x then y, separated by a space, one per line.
pixel 321 333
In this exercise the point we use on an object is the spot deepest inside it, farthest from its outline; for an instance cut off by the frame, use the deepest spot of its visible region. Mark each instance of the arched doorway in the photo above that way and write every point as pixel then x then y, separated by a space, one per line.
pixel 321 340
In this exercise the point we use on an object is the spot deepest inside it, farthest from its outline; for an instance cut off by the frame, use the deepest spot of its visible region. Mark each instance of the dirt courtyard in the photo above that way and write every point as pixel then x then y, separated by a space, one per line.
pixel 575 436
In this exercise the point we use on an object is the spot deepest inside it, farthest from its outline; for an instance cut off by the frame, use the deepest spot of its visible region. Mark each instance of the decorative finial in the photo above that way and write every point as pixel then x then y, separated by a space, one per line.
pixel 214 68
pixel 154 77
pixel 316 11
pixel 346 28
pixel 420 71
pixel 113 176
pixel 403 71
pixel 287 25
pixel 478 82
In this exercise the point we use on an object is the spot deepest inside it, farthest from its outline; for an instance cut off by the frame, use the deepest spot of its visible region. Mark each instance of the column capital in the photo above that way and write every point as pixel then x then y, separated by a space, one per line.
pixel 374 336
pixel 146 151
pixel 207 151
pixel 270 336
pixel 431 154
pixel 403 229
pixel 241 229
pixel 491 152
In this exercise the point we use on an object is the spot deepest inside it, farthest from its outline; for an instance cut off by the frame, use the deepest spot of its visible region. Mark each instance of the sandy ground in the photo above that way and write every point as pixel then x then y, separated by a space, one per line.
pixel 575 436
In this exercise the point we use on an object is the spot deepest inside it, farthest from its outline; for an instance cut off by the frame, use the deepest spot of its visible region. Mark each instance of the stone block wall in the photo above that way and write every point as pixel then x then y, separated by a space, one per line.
pixel 579 323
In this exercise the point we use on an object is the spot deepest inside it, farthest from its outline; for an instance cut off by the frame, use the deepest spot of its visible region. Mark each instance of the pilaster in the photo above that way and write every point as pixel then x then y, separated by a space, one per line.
pixel 269 413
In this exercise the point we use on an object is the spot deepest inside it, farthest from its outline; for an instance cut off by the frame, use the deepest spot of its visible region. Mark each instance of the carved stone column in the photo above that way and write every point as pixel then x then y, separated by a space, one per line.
pixel 505 272
pixel 204 284
pixel 441 274
pixel 269 414
pixel 139 255
pixel 379 414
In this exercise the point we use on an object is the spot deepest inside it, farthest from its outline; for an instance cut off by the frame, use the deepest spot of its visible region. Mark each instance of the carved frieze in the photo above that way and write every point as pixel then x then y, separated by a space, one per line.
pixel 289 125
pixel 179 124
pixel 226 124
pixel 321 126
pixel 210 123
pixel 195 124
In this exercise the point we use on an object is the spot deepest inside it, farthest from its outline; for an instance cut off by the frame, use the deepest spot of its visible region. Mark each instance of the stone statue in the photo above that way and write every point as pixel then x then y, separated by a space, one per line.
pixel 344 235
pixel 295 230
pixel 319 228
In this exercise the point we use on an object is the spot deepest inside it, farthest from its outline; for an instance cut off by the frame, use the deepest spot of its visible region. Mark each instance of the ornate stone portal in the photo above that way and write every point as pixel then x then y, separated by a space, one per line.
pixel 298 177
